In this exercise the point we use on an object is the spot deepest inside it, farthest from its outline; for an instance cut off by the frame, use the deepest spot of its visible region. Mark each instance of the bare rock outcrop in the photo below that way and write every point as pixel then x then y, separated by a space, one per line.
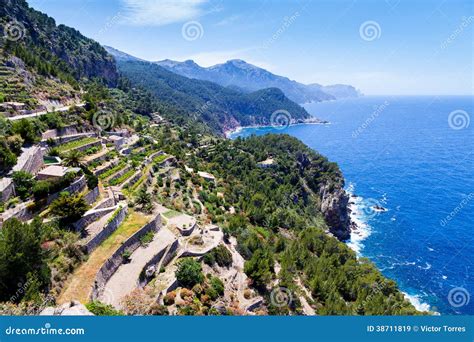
pixel 72 308
pixel 334 206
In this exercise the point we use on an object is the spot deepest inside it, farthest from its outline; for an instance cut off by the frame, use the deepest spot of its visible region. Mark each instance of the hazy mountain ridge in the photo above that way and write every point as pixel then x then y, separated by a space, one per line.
pixel 249 77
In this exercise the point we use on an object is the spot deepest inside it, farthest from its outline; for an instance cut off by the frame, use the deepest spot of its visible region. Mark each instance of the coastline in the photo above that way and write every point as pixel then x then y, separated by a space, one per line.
pixel 359 228
pixel 231 131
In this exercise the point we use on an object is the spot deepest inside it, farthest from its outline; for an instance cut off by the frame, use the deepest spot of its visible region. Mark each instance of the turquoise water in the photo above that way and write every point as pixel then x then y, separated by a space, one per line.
pixel 414 158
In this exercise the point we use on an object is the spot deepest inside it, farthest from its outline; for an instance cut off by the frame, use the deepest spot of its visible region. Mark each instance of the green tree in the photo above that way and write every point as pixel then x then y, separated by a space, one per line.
pixel 7 157
pixel 260 268
pixel 24 183
pixel 41 189
pixel 23 267
pixel 189 273
pixel 29 130
pixel 143 199
pixel 69 208
pixel 73 158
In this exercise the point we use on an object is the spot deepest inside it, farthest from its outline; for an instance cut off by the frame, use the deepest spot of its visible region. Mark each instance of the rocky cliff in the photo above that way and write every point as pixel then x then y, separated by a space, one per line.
pixel 334 206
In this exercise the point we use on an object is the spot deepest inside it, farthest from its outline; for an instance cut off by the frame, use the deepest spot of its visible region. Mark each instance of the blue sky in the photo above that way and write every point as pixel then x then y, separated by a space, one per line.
pixel 381 47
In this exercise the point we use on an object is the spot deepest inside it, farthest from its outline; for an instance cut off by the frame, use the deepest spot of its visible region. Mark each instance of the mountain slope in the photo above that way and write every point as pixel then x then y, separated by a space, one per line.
pixel 52 49
pixel 221 108
pixel 250 78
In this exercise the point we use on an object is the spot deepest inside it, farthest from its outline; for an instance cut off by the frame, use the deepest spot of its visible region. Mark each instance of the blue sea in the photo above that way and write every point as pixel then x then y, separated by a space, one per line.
pixel 413 156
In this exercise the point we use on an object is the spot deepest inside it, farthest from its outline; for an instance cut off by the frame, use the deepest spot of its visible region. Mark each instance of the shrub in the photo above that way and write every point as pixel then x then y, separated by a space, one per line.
pixel 189 273
pixel 147 238
pixel 69 208
pixel 24 182
pixel 41 189
pixel 101 309
pixel 217 285
pixel 169 298
pixel 126 255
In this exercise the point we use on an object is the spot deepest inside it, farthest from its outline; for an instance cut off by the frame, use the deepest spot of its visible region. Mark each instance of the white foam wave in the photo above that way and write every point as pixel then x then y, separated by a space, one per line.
pixel 362 230
pixel 415 300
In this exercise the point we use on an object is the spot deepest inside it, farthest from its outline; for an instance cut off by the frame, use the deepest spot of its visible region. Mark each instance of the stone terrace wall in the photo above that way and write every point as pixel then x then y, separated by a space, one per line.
pixel 109 228
pixel 91 216
pixel 135 178
pixel 68 130
pixel 105 203
pixel 104 169
pixel 75 186
pixel 22 212
pixel 120 173
pixel 92 195
pixel 102 155
pixel 114 262
pixel 87 146
pixel 31 160
pixel 157 258
pixel 7 189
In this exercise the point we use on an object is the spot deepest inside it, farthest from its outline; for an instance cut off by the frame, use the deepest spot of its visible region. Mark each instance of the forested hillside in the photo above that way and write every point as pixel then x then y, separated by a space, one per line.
pixel 219 107
pixel 52 49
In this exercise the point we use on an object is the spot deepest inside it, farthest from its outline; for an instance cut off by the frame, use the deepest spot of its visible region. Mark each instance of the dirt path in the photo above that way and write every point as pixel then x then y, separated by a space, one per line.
pixel 125 279
pixel 307 309
pixel 79 285
pixel 60 109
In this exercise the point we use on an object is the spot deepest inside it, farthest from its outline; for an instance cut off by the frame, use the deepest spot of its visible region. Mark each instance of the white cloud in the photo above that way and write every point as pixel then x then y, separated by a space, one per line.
pixel 161 12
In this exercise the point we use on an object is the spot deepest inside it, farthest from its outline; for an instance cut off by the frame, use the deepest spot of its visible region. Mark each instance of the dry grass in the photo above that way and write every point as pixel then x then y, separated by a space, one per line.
pixel 79 284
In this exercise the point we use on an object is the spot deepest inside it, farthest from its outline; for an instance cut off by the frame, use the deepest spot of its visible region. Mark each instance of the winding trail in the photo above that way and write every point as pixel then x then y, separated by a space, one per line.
pixel 125 279
pixel 79 285
pixel 44 112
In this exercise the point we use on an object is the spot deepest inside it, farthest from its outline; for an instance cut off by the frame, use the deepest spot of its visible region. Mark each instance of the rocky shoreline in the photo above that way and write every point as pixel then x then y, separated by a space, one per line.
pixel 233 129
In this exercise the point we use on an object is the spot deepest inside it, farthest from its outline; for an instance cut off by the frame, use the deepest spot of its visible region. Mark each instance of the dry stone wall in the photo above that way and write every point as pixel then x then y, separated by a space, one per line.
pixel 114 262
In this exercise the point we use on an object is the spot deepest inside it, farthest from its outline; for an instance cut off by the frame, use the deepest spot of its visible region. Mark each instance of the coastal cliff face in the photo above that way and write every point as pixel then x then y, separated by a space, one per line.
pixel 334 206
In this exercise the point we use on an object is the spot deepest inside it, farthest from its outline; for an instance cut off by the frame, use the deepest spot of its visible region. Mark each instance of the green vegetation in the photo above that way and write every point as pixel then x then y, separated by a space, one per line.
pixel 207 102
pixel 171 213
pixel 100 309
pixel 24 182
pixel 76 144
pixel 147 238
pixel 122 178
pixel 69 208
pixel 144 200
pixel 59 51
pixel 219 255
pixel 114 215
pixel 189 272
pixel 113 170
pixel 160 158
pixel 23 268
